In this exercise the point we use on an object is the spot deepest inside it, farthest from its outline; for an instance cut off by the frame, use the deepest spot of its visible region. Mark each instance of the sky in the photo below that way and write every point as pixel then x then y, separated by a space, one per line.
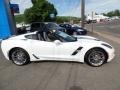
pixel 72 7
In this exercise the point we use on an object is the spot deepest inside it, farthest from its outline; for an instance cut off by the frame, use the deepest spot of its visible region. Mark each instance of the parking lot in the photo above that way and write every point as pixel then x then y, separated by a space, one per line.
pixel 66 75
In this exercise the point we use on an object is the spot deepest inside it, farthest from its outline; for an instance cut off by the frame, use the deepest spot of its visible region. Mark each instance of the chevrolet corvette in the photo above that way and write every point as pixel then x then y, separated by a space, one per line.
pixel 56 45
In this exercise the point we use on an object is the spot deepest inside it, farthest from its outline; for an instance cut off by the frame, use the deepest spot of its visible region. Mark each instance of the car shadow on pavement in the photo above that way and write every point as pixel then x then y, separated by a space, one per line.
pixel 75 88
pixel 55 61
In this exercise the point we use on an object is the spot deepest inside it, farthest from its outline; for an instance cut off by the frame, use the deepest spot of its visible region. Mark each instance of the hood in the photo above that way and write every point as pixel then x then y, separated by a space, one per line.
pixel 91 41
pixel 85 40
pixel 57 28
pixel 79 30
pixel 86 37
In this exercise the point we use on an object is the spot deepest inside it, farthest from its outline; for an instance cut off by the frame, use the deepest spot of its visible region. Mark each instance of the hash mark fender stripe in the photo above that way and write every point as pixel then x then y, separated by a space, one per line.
pixel 77 50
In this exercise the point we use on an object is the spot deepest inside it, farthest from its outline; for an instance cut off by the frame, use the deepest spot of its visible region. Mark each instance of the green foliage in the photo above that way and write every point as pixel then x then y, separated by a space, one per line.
pixel 112 13
pixel 62 19
pixel 40 11
pixel 33 1
pixel 19 18
pixel 59 19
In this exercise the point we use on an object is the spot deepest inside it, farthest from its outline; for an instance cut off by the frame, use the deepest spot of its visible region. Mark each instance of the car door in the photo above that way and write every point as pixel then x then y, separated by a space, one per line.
pixel 66 50
pixel 42 49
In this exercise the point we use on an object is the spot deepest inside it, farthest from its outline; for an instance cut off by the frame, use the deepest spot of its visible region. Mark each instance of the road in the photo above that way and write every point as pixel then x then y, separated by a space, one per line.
pixel 62 75
pixel 111 27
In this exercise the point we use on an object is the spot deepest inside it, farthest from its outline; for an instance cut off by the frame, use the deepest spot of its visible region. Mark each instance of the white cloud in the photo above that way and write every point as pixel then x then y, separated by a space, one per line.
pixel 102 6
pixel 99 6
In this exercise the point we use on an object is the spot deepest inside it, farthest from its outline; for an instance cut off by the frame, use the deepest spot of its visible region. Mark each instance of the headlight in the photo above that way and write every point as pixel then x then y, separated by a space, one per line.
pixel 107 45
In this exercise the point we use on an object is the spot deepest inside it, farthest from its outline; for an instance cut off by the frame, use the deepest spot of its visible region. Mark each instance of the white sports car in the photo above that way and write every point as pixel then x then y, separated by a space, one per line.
pixel 56 45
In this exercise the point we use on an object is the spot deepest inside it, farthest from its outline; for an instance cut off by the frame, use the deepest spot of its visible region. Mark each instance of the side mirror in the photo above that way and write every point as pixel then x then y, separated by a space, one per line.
pixel 57 42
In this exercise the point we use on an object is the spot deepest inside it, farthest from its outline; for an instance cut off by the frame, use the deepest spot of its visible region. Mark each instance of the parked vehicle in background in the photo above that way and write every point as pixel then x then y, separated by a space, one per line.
pixel 41 26
pixel 21 28
pixel 74 29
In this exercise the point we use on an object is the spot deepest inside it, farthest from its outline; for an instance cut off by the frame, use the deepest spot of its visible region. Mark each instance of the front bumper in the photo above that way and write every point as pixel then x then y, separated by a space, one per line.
pixel 111 55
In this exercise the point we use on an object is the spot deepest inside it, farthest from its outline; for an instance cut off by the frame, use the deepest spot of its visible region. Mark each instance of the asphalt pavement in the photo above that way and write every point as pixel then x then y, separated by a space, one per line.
pixel 62 75
pixel 109 27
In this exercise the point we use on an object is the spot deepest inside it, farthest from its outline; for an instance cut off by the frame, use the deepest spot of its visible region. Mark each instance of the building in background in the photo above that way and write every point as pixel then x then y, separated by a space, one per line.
pixel 96 17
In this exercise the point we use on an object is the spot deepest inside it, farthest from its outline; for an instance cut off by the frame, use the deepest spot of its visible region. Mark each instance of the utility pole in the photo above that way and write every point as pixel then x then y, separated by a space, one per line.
pixel 82 13
pixel 92 21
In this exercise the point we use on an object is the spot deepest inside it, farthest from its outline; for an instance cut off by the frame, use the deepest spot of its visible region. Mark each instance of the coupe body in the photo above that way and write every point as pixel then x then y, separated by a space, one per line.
pixel 56 45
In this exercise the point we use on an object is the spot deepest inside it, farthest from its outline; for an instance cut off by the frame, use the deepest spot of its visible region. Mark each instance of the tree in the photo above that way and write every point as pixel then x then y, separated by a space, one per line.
pixel 33 1
pixel 117 13
pixel 40 11
pixel 62 19
pixel 19 18
pixel 112 13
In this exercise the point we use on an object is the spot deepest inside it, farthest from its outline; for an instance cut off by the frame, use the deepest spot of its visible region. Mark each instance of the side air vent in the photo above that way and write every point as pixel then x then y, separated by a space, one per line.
pixel 35 56
pixel 76 51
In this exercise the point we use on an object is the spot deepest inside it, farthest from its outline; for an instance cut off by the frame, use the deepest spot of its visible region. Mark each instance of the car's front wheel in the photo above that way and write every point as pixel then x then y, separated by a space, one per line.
pixel 19 57
pixel 96 57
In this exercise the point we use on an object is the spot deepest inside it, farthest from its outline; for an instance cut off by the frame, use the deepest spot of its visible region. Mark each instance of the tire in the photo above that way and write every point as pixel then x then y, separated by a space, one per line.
pixel 19 57
pixel 96 57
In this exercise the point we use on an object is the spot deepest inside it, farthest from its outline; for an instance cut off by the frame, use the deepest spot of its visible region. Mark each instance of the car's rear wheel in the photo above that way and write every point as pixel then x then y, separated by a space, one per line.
pixel 19 57
pixel 96 57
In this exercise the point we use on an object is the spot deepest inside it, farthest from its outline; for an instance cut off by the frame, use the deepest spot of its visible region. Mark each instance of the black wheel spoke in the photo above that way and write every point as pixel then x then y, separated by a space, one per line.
pixel 96 57
pixel 19 57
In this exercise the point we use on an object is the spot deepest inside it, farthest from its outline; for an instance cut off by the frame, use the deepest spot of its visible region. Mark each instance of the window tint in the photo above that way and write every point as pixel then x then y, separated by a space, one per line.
pixel 64 37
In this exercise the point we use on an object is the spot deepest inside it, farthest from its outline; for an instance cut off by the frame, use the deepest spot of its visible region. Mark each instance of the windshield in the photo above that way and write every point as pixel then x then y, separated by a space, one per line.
pixel 65 37
pixel 52 25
